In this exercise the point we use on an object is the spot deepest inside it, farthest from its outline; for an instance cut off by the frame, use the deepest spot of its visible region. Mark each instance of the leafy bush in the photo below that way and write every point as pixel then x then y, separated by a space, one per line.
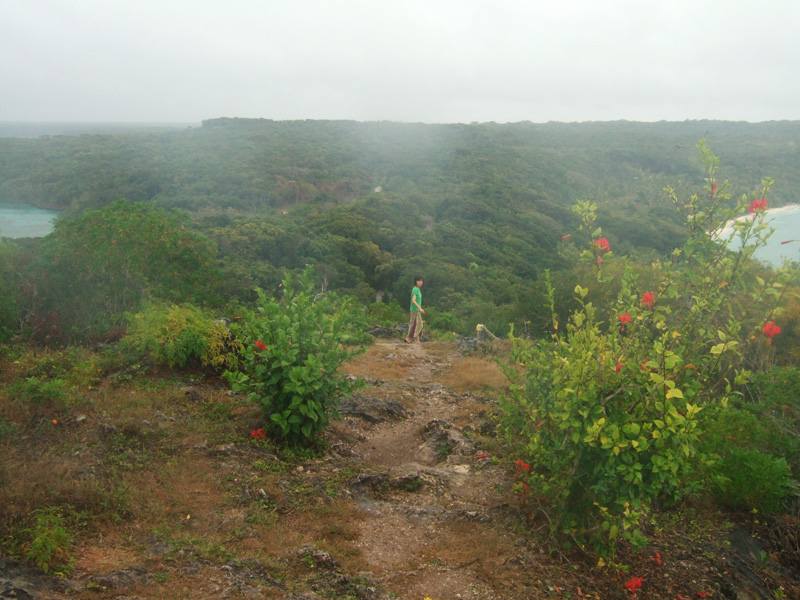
pixel 178 335
pixel 95 269
pixel 50 540
pixel 750 479
pixel 605 413
pixel 387 314
pixel 290 351
pixel 40 394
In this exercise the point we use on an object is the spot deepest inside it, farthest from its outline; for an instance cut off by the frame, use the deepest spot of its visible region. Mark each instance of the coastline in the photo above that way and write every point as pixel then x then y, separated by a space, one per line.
pixel 727 229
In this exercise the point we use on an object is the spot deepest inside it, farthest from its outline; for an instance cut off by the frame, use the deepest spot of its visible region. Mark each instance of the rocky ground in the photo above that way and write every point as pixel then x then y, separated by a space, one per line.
pixel 412 500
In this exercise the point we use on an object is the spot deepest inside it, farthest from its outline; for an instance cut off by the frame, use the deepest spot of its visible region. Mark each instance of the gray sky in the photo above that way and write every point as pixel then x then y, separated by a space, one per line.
pixel 433 61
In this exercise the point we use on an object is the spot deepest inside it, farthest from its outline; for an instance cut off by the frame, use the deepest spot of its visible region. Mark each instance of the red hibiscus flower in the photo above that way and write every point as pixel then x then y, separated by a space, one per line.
pixel 771 329
pixel 633 584
pixel 758 205
pixel 713 189
pixel 624 318
pixel 261 346
pixel 563 237
pixel 647 298
pixel 602 245
pixel 619 367
pixel 258 434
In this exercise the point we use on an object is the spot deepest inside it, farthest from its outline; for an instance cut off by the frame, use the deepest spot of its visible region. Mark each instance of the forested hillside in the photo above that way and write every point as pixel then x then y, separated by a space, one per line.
pixel 480 210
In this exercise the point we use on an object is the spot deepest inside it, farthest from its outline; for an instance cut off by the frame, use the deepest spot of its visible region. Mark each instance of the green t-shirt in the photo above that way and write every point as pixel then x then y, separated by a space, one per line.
pixel 416 292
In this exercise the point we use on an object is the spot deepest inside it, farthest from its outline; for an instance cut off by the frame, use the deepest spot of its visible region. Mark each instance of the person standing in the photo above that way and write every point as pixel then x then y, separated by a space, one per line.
pixel 415 320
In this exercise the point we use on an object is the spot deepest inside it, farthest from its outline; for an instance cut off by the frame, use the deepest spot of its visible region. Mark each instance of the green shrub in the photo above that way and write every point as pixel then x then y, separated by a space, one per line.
pixel 387 314
pixel 39 394
pixel 750 479
pixel 180 335
pixel 290 351
pixel 606 413
pixel 50 540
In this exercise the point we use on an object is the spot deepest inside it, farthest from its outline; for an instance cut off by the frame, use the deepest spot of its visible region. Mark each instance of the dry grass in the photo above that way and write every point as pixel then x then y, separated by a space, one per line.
pixel 378 363
pixel 474 375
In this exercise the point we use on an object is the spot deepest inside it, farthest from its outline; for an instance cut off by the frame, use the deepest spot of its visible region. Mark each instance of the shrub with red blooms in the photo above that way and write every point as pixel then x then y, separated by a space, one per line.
pixel 291 352
pixel 603 442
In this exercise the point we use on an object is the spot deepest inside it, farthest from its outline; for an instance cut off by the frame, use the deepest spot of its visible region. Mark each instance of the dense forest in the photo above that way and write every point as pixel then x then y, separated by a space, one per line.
pixel 480 209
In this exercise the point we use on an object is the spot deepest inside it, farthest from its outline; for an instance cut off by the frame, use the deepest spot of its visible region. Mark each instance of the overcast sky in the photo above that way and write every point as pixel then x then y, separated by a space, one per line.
pixel 433 61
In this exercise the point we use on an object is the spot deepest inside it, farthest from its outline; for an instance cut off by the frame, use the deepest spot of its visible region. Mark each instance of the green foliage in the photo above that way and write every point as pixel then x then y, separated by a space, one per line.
pixel 106 263
pixel 44 394
pixel 290 351
pixel 753 446
pixel 50 540
pixel 607 411
pixel 179 335
pixel 387 314
pixel 10 293
pixel 752 480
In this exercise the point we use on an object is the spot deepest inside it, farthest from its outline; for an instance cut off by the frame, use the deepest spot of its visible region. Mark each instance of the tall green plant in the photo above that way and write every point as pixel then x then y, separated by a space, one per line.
pixel 290 353
pixel 607 412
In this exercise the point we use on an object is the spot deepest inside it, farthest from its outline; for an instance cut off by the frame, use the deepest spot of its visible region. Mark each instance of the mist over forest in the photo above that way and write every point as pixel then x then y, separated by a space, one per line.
pixel 479 208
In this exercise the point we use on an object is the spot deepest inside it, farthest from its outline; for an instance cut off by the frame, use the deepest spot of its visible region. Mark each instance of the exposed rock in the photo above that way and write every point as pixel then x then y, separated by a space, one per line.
pixel 192 394
pixel 445 441
pixel 21 582
pixel 124 578
pixel 372 410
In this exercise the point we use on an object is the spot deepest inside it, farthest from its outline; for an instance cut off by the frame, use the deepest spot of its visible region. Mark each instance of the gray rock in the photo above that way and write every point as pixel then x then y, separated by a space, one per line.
pixel 372 410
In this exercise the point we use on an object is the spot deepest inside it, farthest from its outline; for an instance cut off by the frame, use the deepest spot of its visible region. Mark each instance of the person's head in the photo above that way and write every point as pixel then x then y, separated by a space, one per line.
pixel 418 281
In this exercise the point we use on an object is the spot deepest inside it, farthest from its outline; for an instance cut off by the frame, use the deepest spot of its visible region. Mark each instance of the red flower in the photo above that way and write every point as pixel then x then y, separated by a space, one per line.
pixel 619 367
pixel 758 205
pixel 624 318
pixel 261 346
pixel 702 594
pixel 657 558
pixel 258 434
pixel 647 298
pixel 599 261
pixel 713 189
pixel 522 465
pixel 602 245
pixel 563 237
pixel 633 584
pixel 539 425
pixel 771 330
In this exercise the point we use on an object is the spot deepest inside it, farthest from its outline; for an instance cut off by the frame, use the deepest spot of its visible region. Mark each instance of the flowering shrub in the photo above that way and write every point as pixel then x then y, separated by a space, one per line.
pixel 608 411
pixel 290 353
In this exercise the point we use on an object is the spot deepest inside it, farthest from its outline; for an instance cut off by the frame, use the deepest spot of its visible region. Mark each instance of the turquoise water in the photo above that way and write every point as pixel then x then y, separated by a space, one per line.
pixel 22 220
pixel 786 223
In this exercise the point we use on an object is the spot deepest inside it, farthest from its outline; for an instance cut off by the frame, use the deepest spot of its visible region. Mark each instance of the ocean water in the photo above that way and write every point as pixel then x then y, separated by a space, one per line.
pixel 785 241
pixel 22 220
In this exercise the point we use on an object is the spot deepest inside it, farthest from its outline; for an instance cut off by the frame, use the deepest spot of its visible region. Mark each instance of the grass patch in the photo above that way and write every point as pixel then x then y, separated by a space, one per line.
pixel 475 375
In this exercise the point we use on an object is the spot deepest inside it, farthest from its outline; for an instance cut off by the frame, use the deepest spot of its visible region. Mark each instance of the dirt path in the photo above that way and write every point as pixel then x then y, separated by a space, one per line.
pixel 435 518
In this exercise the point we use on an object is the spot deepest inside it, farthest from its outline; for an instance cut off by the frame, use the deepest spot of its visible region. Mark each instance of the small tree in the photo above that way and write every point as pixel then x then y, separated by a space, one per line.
pixel 607 410
pixel 291 351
